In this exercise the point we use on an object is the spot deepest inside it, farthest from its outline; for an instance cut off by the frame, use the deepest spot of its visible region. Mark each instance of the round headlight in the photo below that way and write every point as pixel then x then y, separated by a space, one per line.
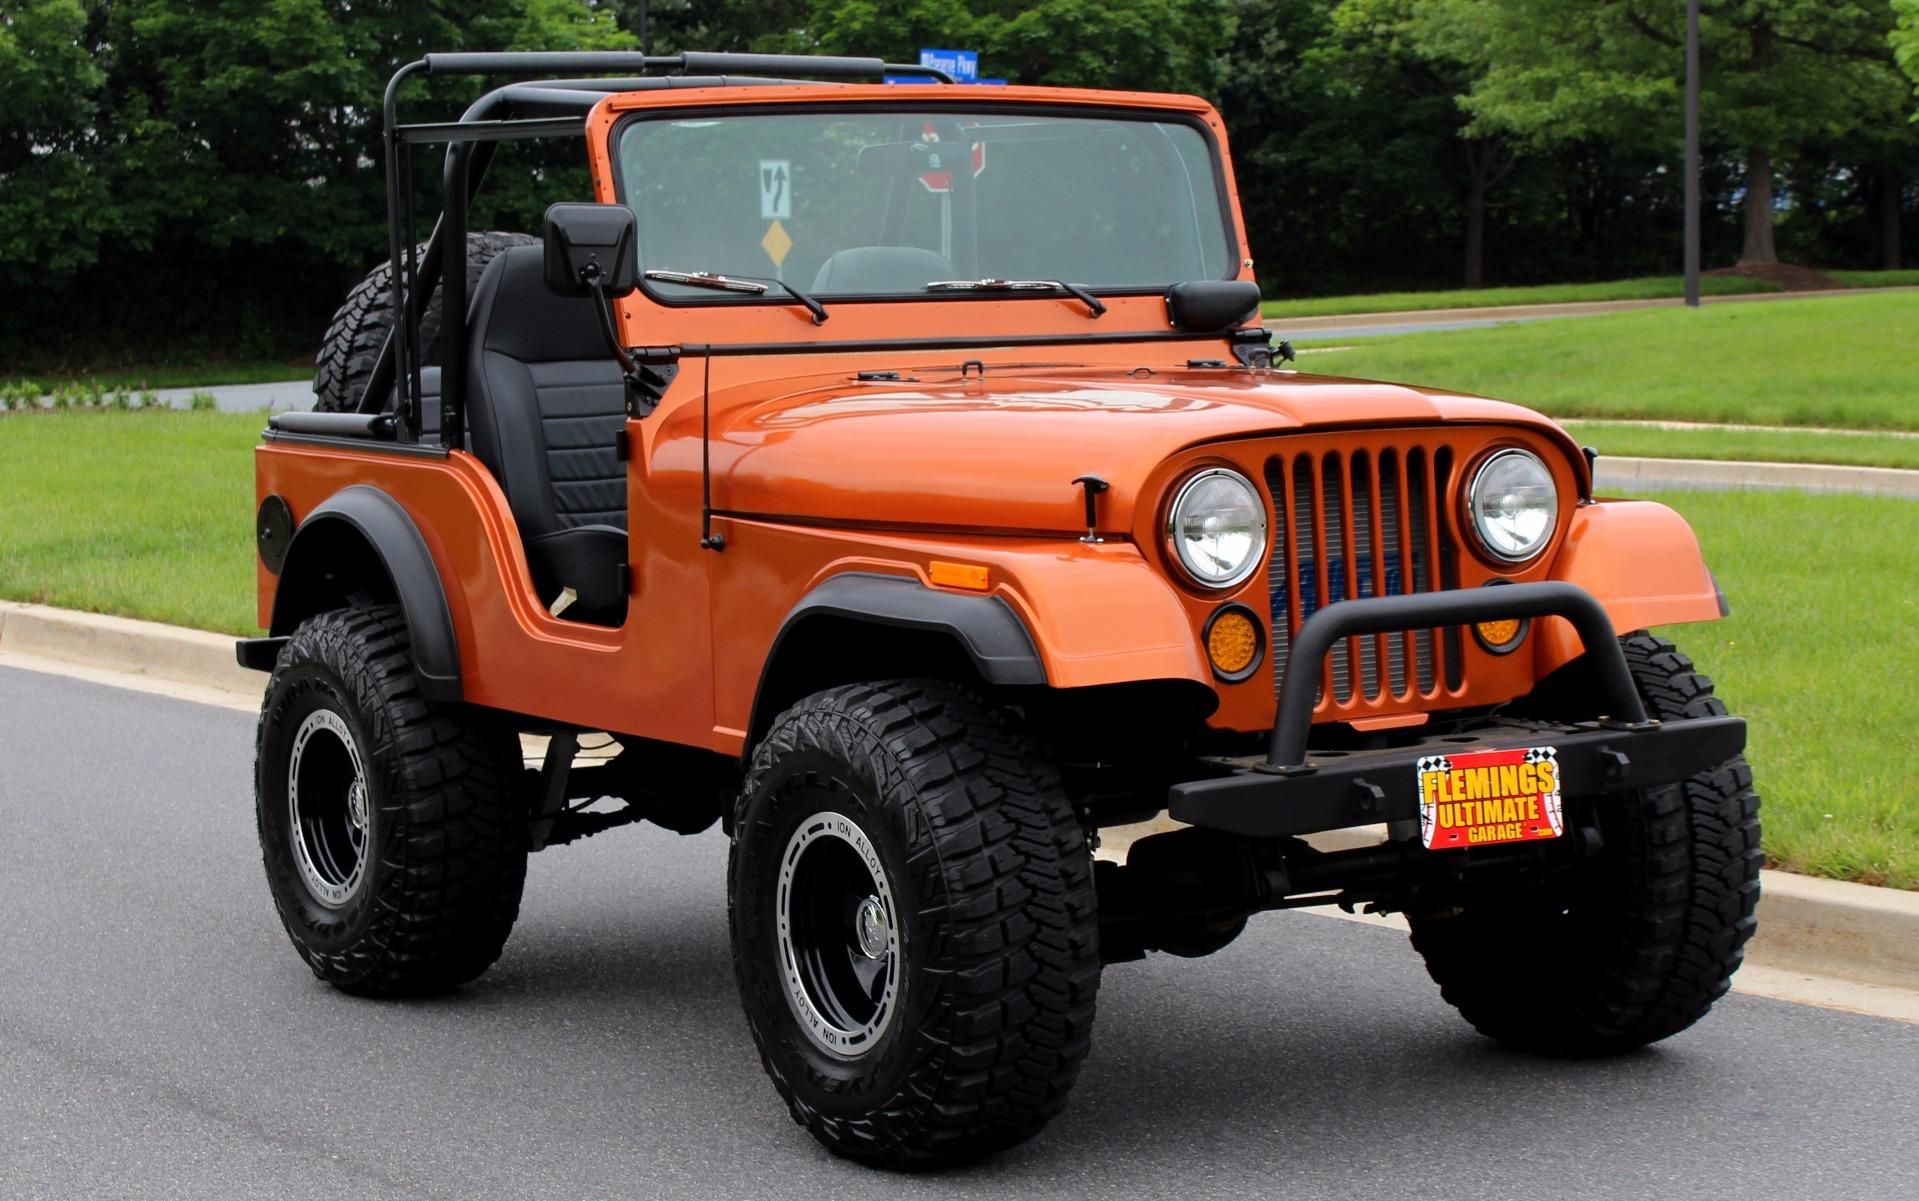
pixel 1217 527
pixel 1514 505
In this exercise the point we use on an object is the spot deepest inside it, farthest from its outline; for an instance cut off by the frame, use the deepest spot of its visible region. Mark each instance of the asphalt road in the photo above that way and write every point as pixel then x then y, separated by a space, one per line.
pixel 158 1039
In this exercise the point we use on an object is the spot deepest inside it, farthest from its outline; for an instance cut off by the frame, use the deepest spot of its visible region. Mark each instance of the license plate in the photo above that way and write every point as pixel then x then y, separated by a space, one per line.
pixel 1483 798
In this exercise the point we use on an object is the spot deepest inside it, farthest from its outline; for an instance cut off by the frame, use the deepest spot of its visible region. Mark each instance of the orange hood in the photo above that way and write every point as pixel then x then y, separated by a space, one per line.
pixel 1001 453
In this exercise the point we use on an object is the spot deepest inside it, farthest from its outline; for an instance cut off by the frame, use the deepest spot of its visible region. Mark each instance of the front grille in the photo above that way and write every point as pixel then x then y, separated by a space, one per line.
pixel 1362 524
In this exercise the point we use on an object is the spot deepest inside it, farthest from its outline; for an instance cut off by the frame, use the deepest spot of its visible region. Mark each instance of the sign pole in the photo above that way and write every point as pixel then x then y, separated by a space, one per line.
pixel 1692 154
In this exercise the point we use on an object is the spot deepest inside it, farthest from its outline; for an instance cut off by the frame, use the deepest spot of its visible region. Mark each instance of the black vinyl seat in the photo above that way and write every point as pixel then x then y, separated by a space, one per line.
pixel 881 269
pixel 546 405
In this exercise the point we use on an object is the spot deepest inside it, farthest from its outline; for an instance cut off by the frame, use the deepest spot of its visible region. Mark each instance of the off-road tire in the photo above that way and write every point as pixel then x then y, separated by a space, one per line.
pixel 359 327
pixel 446 844
pixel 998 928
pixel 1635 944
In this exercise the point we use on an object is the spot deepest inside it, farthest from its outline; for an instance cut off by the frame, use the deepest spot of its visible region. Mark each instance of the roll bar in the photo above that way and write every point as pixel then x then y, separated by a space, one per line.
pixel 561 105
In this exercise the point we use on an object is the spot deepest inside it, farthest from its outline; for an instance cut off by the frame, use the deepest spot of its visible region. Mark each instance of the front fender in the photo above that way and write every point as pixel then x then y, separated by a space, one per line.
pixel 1643 563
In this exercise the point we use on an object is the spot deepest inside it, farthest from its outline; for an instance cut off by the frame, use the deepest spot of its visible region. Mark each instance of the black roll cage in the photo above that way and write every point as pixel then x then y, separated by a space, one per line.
pixel 547 106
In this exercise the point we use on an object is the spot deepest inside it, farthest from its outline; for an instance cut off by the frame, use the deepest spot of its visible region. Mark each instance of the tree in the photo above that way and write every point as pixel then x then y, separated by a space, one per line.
pixel 1905 39
pixel 1776 74
pixel 50 190
pixel 1166 45
pixel 222 159
pixel 1424 76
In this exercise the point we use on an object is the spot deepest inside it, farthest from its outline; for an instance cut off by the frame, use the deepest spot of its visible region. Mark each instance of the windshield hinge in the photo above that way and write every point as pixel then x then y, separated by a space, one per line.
pixel 653 369
pixel 1256 348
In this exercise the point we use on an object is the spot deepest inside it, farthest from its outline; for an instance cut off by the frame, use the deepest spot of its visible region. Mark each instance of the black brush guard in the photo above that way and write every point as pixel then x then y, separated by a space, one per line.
pixel 1294 792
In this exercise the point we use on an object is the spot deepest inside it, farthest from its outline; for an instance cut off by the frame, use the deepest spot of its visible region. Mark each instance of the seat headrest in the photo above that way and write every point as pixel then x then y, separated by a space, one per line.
pixel 881 269
pixel 514 313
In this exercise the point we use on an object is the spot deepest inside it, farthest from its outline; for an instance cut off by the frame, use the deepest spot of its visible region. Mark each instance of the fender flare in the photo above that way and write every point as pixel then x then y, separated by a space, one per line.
pixel 384 526
pixel 1643 563
pixel 985 627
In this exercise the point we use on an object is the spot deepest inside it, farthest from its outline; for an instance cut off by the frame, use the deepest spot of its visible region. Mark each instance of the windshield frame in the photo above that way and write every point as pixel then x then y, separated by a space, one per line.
pixel 1222 188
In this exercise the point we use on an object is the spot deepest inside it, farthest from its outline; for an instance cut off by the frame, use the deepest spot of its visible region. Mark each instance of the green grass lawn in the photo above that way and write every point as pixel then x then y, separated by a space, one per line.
pixel 1877 279
pixel 1841 361
pixel 143 514
pixel 190 375
pixel 1862 449
pixel 1820 655
pixel 150 515
pixel 1654 287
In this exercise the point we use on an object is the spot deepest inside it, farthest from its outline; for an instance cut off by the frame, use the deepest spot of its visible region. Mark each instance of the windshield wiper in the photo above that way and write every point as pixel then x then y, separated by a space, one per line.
pixel 753 285
pixel 1094 307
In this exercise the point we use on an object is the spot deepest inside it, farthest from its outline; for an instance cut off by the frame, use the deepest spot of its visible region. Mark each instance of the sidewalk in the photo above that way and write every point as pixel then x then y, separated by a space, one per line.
pixel 1622 475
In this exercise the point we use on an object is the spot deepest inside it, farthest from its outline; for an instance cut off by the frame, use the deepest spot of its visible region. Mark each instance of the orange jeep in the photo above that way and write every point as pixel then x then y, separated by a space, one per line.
pixel 901 476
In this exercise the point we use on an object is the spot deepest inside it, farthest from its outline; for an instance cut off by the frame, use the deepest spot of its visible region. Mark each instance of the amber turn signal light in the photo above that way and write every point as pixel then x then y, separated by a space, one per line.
pixel 1500 636
pixel 1233 642
pixel 957 575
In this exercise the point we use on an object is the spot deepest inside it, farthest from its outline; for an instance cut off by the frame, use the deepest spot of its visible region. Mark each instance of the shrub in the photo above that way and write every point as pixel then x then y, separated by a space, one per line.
pixel 202 402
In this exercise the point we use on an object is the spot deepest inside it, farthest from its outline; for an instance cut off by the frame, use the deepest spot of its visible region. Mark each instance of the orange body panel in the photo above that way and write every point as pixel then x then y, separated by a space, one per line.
pixel 1643 563
pixel 815 472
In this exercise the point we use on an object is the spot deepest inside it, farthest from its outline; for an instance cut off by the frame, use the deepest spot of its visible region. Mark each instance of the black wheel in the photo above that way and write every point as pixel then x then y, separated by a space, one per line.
pixel 394 845
pixel 1634 944
pixel 914 926
pixel 359 327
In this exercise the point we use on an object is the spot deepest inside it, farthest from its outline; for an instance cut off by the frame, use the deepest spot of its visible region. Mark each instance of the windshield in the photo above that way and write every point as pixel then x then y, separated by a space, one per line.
pixel 867 203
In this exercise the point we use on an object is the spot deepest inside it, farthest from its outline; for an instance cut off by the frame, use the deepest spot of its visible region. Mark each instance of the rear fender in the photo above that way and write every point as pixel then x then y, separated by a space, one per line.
pixel 360 546
pixel 1643 563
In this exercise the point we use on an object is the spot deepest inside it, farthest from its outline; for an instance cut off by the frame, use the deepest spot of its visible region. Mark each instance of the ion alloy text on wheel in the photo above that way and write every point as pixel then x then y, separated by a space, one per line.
pixel 839 938
pixel 327 807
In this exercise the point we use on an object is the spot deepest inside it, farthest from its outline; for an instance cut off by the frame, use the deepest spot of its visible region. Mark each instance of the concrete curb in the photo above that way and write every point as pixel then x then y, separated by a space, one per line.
pixel 1627 474
pixel 190 657
pixel 1822 928
pixel 1832 928
pixel 1808 927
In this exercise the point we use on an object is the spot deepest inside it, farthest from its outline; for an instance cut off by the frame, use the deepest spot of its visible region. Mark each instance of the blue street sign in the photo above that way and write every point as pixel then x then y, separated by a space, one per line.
pixel 962 65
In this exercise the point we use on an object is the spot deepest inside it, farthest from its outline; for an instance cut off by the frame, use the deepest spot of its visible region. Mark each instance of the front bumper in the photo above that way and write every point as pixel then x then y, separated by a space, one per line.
pixel 1292 791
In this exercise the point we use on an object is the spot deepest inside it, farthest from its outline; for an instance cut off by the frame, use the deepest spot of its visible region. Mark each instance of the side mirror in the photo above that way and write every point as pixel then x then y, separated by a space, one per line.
pixel 591 243
pixel 1205 306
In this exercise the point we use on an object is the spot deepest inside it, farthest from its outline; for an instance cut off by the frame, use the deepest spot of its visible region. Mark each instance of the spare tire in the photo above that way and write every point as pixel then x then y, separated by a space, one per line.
pixel 359 329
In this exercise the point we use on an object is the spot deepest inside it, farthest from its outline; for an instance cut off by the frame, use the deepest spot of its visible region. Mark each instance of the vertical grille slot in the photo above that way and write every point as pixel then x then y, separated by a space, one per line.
pixel 1335 568
pixel 1280 590
pixel 1449 575
pixel 1366 560
pixel 1425 529
pixel 1397 552
pixel 1347 526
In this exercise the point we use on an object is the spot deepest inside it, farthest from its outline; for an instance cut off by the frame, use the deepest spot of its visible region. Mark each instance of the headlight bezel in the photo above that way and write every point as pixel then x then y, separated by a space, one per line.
pixel 1262 534
pixel 1488 548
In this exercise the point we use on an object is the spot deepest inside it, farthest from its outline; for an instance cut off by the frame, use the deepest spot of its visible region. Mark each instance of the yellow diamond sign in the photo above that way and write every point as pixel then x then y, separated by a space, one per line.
pixel 776 243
